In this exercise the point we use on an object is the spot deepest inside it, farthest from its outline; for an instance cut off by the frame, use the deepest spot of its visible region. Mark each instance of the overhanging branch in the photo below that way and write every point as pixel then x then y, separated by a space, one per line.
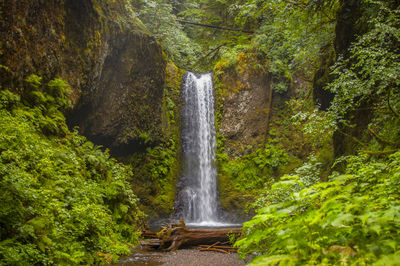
pixel 209 53
pixel 214 27
pixel 381 140
pixel 397 114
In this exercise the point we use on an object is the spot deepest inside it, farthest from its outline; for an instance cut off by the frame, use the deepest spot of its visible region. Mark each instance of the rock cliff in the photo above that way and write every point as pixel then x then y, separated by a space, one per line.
pixel 115 69
pixel 125 91
pixel 244 113
pixel 245 104
pixel 248 117
pixel 242 101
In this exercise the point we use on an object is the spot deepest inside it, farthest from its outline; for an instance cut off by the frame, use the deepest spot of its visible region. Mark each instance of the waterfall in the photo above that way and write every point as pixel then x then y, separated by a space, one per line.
pixel 198 195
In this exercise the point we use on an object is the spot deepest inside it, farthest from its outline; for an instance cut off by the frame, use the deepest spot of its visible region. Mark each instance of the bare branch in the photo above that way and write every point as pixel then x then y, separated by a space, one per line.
pixel 353 138
pixel 214 27
pixel 396 113
pixel 381 140
pixel 214 50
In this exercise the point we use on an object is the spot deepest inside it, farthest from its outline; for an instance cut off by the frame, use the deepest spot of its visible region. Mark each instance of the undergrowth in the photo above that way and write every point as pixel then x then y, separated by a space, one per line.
pixel 352 219
pixel 62 200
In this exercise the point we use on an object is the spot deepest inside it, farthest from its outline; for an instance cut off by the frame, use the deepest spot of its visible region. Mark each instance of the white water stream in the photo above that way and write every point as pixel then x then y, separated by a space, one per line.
pixel 199 145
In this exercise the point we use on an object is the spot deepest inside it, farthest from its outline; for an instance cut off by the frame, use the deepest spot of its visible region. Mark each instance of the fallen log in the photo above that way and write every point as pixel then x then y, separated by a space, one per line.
pixel 219 248
pixel 151 243
pixel 149 234
pixel 174 236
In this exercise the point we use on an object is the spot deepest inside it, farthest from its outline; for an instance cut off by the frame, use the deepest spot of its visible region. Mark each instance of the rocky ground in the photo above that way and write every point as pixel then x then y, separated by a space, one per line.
pixel 183 257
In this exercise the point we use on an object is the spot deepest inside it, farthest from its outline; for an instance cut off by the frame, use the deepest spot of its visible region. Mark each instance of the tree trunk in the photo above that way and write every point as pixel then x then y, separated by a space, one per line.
pixel 269 105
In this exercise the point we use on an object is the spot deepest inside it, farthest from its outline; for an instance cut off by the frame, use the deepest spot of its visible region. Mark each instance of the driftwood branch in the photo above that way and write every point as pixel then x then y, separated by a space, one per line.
pixel 216 243
pixel 214 27
pixel 220 247
pixel 149 234
pixel 215 249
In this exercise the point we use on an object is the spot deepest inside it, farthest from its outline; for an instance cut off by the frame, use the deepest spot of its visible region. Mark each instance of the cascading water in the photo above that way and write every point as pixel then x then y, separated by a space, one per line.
pixel 198 195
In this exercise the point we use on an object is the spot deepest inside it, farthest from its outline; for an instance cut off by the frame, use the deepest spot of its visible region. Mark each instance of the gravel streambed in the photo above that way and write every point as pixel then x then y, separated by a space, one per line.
pixel 182 257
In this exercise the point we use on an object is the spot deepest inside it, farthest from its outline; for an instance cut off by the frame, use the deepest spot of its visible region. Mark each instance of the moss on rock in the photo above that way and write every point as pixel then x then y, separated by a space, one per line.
pixel 242 90
pixel 158 167
pixel 125 92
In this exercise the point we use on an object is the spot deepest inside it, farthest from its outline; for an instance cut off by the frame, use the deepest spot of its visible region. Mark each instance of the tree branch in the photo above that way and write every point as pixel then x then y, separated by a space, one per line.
pixel 214 27
pixel 381 140
pixel 390 106
pixel 378 152
pixel 353 138
pixel 214 50
pixel 215 249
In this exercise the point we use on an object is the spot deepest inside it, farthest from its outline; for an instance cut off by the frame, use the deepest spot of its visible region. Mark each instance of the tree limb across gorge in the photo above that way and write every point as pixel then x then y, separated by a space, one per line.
pixel 214 27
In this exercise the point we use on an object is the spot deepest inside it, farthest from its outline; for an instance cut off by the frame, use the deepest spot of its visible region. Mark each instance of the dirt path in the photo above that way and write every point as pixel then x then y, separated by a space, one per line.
pixel 183 257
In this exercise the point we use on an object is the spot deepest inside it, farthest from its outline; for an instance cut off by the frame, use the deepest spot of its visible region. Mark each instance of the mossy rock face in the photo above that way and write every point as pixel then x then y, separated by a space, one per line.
pixel 125 93
pixel 158 167
pixel 124 111
pixel 241 103
pixel 242 89
pixel 115 69
pixel 241 93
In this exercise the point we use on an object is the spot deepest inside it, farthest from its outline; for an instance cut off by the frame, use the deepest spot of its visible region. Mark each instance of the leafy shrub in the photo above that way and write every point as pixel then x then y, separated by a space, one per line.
pixel 370 73
pixel 353 218
pixel 8 99
pixel 306 175
pixel 155 178
pixel 254 170
pixel 62 200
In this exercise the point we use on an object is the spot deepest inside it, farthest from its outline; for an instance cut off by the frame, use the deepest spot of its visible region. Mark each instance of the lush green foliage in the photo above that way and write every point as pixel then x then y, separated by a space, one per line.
pixel 255 170
pixel 241 179
pixel 287 34
pixel 155 177
pixel 371 68
pixel 307 175
pixel 159 17
pixel 290 35
pixel 63 200
pixel 157 168
pixel 352 218
pixel 369 76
